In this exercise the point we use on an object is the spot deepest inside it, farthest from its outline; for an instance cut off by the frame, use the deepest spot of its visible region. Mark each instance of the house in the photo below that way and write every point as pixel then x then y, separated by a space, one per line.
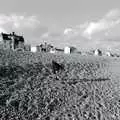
pixel 11 41
pixel 98 52
pixel 52 50
pixel 44 47
pixel 69 49
pixel 108 54
pixel 34 49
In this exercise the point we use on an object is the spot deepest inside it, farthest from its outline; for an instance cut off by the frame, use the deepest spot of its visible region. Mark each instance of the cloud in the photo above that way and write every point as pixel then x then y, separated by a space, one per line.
pixel 114 13
pixel 18 21
pixel 2 30
pixel 100 33
pixel 109 21
pixel 28 26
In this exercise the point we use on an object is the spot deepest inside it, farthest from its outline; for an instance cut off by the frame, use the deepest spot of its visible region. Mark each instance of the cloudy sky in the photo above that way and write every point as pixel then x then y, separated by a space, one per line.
pixel 82 23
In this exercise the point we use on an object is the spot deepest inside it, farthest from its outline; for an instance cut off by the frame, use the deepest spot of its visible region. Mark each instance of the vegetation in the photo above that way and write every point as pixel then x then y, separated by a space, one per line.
pixel 87 88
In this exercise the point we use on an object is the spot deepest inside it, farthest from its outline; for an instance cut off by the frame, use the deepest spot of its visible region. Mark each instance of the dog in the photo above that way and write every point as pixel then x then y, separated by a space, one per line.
pixel 56 67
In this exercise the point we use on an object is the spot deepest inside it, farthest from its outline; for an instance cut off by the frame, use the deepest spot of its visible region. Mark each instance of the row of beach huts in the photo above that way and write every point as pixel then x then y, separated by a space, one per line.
pixel 17 43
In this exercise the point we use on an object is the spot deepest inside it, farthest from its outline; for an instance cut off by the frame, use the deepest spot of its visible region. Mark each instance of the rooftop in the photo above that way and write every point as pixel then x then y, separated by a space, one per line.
pixel 9 36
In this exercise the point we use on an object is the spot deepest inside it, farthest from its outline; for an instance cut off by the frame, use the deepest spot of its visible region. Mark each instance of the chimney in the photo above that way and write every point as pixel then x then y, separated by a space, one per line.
pixel 13 33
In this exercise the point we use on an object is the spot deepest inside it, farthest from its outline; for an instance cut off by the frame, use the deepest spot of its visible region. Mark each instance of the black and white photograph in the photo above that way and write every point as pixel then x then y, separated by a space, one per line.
pixel 59 59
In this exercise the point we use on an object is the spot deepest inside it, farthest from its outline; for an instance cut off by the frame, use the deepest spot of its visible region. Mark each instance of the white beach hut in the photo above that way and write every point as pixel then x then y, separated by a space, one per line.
pixel 97 52
pixel 67 50
pixel 108 54
pixel 34 49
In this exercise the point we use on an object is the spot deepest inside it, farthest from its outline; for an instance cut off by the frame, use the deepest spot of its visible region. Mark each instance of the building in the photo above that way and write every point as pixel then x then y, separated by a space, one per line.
pixel 69 49
pixel 108 54
pixel 98 52
pixel 44 47
pixel 52 50
pixel 11 41
pixel 34 49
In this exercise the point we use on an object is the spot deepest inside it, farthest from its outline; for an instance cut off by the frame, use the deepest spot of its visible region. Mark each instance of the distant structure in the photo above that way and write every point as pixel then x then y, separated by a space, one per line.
pixel 98 52
pixel 52 50
pixel 44 47
pixel 34 49
pixel 108 54
pixel 69 49
pixel 11 41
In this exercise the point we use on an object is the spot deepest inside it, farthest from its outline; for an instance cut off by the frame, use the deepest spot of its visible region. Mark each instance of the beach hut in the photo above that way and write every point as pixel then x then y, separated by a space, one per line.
pixel 67 50
pixel 108 54
pixel 98 52
pixel 34 49
pixel 52 50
